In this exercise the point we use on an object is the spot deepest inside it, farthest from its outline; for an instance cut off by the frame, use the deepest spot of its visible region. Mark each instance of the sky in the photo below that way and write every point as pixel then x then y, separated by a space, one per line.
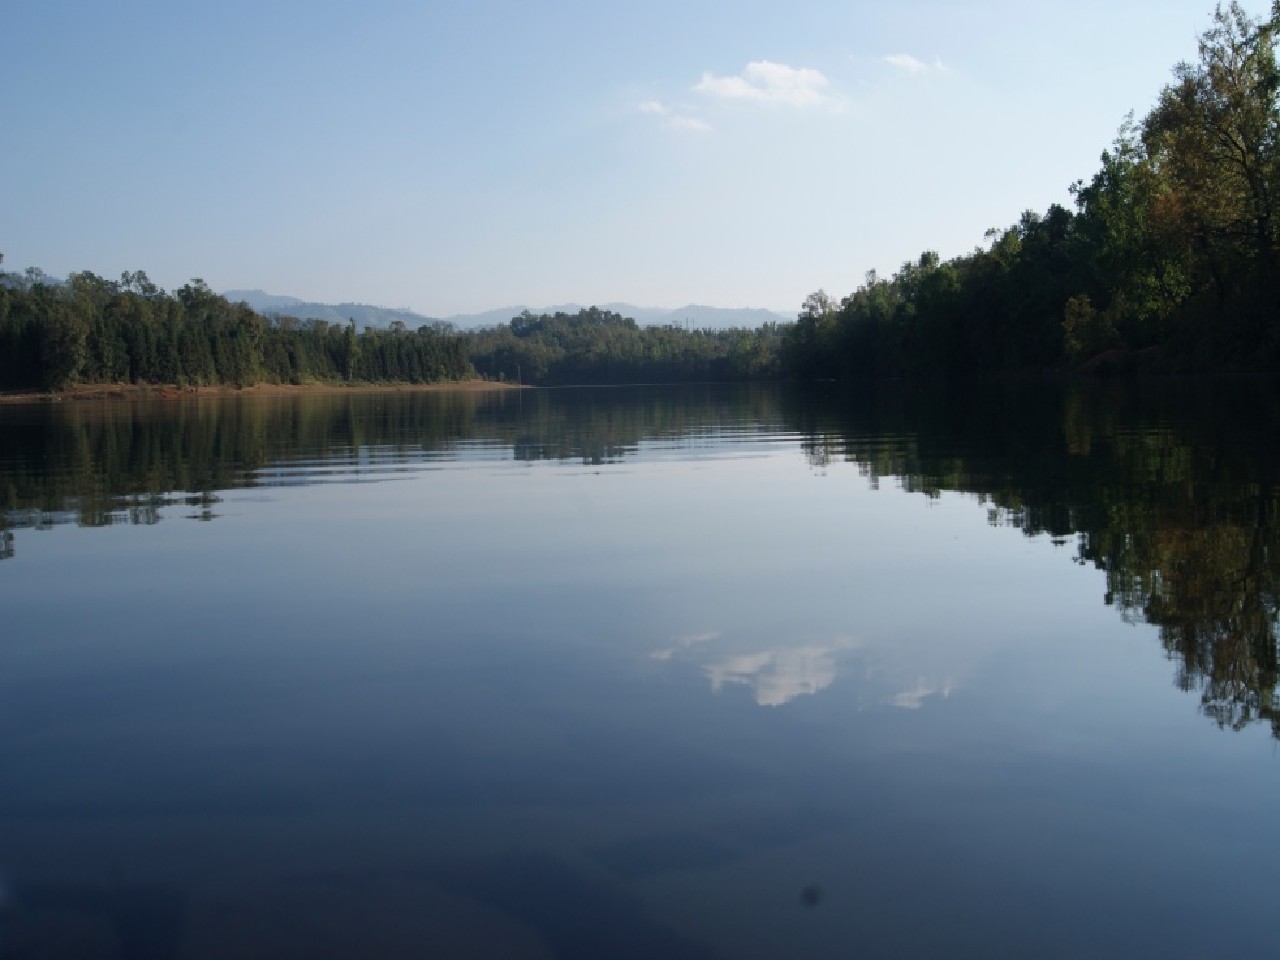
pixel 457 157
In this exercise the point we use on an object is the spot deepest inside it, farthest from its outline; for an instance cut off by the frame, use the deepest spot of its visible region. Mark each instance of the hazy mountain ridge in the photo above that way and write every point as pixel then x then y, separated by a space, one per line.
pixel 364 314
pixel 695 316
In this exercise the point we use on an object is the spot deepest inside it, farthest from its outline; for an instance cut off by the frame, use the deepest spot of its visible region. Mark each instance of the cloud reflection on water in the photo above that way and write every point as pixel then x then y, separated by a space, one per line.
pixel 779 674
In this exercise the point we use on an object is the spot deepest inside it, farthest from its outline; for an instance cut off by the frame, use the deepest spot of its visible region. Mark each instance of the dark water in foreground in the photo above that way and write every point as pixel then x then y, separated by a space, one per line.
pixel 642 673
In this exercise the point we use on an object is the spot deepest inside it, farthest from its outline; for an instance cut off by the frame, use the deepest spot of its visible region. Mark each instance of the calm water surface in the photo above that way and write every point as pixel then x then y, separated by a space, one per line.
pixel 680 673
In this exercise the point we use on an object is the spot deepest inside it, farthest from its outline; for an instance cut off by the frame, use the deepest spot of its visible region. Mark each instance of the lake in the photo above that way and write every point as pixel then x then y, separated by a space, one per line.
pixel 733 672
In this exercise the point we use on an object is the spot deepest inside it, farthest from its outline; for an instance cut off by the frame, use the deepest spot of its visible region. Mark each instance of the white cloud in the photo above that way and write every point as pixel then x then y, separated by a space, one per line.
pixel 764 81
pixel 914 698
pixel 684 643
pixel 674 118
pixel 694 639
pixel 688 123
pixel 906 62
pixel 777 676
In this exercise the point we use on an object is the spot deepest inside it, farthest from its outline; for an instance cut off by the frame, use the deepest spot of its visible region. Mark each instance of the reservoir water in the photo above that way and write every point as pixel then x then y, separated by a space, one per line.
pixel 730 672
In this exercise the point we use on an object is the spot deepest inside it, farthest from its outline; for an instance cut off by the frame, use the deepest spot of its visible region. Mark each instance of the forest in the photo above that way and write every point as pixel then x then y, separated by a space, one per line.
pixel 1168 264
pixel 91 330
pixel 88 330
pixel 599 346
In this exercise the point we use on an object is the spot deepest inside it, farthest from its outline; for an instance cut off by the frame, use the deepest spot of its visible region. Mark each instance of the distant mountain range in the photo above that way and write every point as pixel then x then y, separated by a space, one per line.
pixel 694 316
pixel 365 315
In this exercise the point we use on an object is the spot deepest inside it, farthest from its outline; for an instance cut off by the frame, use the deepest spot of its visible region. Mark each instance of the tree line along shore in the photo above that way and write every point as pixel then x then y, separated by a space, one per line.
pixel 1169 263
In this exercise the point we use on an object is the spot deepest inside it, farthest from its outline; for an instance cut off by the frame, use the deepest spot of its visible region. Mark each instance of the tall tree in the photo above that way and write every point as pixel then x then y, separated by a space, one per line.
pixel 1214 140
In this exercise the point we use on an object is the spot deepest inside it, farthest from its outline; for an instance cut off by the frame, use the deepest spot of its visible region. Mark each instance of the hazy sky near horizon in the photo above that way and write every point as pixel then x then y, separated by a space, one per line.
pixel 456 157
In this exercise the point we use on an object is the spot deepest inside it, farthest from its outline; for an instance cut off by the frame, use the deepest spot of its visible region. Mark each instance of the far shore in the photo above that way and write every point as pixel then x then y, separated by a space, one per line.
pixel 150 391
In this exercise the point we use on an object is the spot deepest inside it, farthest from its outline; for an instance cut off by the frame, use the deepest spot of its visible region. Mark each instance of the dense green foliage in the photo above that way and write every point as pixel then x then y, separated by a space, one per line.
pixel 597 346
pixel 91 330
pixel 1169 261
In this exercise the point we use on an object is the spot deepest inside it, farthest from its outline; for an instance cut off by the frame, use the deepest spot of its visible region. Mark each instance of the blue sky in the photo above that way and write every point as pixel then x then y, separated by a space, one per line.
pixel 455 157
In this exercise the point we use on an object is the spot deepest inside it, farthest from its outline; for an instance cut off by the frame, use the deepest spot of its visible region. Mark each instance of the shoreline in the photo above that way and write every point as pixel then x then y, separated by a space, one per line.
pixel 152 391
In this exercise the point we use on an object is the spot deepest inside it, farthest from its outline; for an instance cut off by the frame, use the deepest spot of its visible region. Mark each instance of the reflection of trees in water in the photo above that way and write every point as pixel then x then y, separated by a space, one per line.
pixel 99 464
pixel 1212 592
pixel 1170 490
pixel 1197 557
